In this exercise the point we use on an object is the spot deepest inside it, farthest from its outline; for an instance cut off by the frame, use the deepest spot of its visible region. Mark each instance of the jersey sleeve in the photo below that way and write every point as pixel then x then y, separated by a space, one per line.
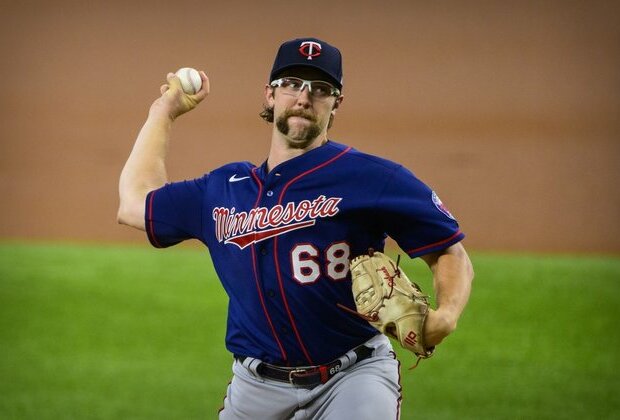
pixel 173 213
pixel 414 216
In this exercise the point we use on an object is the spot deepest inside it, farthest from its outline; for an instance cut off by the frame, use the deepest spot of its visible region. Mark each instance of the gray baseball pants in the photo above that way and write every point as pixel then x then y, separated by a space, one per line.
pixel 369 390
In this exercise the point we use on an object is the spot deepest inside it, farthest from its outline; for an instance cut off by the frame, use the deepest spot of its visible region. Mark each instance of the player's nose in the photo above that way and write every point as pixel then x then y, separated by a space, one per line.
pixel 305 97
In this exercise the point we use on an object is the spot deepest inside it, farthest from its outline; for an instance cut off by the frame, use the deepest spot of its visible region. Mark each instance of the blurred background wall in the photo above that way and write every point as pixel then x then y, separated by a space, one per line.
pixel 508 109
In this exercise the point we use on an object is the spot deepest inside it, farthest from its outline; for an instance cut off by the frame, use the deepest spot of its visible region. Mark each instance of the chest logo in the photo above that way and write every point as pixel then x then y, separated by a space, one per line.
pixel 248 227
pixel 234 178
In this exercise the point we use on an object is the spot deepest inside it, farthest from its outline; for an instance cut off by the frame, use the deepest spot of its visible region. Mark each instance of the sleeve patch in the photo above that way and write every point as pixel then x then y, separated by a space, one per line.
pixel 440 206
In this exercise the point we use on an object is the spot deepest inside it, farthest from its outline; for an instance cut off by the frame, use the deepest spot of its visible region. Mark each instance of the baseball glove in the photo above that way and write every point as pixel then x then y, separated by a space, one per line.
pixel 391 303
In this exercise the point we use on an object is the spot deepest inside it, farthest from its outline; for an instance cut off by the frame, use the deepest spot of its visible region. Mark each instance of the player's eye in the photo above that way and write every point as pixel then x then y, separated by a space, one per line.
pixel 321 89
pixel 292 84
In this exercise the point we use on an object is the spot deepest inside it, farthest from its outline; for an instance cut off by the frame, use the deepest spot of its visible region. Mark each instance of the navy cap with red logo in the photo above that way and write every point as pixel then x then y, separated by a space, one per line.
pixel 309 52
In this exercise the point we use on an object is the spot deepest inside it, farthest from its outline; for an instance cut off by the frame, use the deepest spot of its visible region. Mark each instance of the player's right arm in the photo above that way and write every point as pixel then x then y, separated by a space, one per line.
pixel 145 169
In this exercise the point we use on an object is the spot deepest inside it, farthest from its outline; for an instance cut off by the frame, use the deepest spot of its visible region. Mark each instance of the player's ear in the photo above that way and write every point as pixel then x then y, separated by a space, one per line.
pixel 269 92
pixel 337 104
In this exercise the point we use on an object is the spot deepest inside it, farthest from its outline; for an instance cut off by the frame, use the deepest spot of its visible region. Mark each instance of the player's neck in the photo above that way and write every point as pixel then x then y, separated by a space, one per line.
pixel 283 149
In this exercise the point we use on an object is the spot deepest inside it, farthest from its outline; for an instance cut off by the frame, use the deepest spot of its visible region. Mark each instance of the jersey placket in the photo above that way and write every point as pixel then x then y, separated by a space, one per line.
pixel 267 266
pixel 271 268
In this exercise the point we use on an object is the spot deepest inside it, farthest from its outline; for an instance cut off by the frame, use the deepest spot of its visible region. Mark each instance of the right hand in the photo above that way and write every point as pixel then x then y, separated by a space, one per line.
pixel 438 326
pixel 174 102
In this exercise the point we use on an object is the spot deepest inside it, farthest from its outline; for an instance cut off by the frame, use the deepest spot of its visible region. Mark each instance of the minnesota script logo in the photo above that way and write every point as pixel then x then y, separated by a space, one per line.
pixel 260 223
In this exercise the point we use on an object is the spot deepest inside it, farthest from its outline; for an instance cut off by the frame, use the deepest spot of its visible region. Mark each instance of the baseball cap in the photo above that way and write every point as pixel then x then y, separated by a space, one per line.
pixel 309 52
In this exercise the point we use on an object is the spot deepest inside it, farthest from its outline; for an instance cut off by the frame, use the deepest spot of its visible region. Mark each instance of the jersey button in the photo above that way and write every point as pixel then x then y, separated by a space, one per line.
pixel 263 251
pixel 269 193
pixel 284 330
pixel 271 293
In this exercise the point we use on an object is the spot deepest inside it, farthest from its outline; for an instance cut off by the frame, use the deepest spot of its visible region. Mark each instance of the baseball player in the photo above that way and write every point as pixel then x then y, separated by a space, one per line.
pixel 281 236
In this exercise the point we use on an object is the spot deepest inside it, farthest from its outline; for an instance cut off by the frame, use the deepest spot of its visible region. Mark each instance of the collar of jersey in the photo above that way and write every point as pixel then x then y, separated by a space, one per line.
pixel 302 163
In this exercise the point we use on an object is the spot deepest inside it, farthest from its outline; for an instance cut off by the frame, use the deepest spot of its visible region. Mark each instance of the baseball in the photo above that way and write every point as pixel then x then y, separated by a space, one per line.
pixel 190 80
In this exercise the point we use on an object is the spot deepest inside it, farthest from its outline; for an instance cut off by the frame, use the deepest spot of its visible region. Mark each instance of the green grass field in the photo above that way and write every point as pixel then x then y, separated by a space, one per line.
pixel 137 333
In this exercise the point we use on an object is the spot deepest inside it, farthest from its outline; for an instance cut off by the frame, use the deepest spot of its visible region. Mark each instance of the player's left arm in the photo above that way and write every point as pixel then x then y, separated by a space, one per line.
pixel 452 278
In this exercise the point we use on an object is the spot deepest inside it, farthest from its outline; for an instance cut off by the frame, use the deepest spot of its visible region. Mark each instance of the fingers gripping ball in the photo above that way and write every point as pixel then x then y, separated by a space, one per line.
pixel 391 303
pixel 190 80
pixel 175 98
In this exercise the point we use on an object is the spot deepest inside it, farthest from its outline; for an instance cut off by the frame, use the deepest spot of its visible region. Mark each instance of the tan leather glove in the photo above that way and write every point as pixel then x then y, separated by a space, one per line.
pixel 389 301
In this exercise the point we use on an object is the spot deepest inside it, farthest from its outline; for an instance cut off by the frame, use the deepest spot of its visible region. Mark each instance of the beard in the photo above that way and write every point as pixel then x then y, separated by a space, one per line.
pixel 302 135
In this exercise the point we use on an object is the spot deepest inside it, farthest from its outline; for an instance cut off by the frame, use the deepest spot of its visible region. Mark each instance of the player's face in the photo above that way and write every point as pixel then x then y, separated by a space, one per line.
pixel 300 116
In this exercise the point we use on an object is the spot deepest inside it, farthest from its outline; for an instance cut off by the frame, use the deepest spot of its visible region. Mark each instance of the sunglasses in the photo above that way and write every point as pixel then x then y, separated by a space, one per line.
pixel 318 89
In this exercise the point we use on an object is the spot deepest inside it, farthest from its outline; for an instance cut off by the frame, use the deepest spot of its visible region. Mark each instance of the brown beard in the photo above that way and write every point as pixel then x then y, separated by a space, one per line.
pixel 311 133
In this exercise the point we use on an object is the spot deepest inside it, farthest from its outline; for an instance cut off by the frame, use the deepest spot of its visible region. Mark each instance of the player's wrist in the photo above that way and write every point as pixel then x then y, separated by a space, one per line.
pixel 438 326
pixel 160 113
pixel 446 320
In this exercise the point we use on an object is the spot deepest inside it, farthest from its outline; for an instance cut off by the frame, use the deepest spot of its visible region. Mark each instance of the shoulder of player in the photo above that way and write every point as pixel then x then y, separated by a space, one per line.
pixel 237 169
pixel 367 160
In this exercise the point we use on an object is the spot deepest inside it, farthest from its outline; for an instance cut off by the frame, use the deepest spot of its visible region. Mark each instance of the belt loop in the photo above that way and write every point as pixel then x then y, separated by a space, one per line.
pixel 252 364
pixel 348 359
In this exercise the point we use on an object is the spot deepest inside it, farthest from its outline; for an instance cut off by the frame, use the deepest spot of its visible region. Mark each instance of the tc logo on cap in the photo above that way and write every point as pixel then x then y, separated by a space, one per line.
pixel 310 49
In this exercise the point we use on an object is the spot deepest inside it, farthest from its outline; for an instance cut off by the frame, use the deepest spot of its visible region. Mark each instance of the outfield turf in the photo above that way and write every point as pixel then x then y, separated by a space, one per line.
pixel 137 333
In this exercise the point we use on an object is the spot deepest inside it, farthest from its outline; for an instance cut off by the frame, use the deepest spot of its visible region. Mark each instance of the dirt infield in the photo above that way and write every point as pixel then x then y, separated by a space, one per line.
pixel 509 112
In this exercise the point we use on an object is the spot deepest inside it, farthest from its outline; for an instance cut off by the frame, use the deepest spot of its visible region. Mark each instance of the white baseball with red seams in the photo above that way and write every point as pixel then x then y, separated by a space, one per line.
pixel 190 80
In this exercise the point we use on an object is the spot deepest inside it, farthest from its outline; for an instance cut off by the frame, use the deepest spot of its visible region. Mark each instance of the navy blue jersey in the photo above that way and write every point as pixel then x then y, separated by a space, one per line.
pixel 281 242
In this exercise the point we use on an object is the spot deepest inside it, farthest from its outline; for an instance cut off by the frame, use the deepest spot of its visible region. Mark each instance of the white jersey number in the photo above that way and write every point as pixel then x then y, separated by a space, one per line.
pixel 307 270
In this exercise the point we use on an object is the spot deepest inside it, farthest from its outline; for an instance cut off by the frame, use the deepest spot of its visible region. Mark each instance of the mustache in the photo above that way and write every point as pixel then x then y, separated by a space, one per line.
pixel 299 113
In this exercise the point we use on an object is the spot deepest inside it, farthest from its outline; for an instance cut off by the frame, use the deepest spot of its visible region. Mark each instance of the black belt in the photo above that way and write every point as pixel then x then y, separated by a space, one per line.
pixel 309 376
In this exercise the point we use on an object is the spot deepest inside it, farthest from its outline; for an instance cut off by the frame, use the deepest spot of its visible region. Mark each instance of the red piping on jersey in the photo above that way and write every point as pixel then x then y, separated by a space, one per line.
pixel 151 229
pixel 260 294
pixel 275 254
pixel 311 170
pixel 458 232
